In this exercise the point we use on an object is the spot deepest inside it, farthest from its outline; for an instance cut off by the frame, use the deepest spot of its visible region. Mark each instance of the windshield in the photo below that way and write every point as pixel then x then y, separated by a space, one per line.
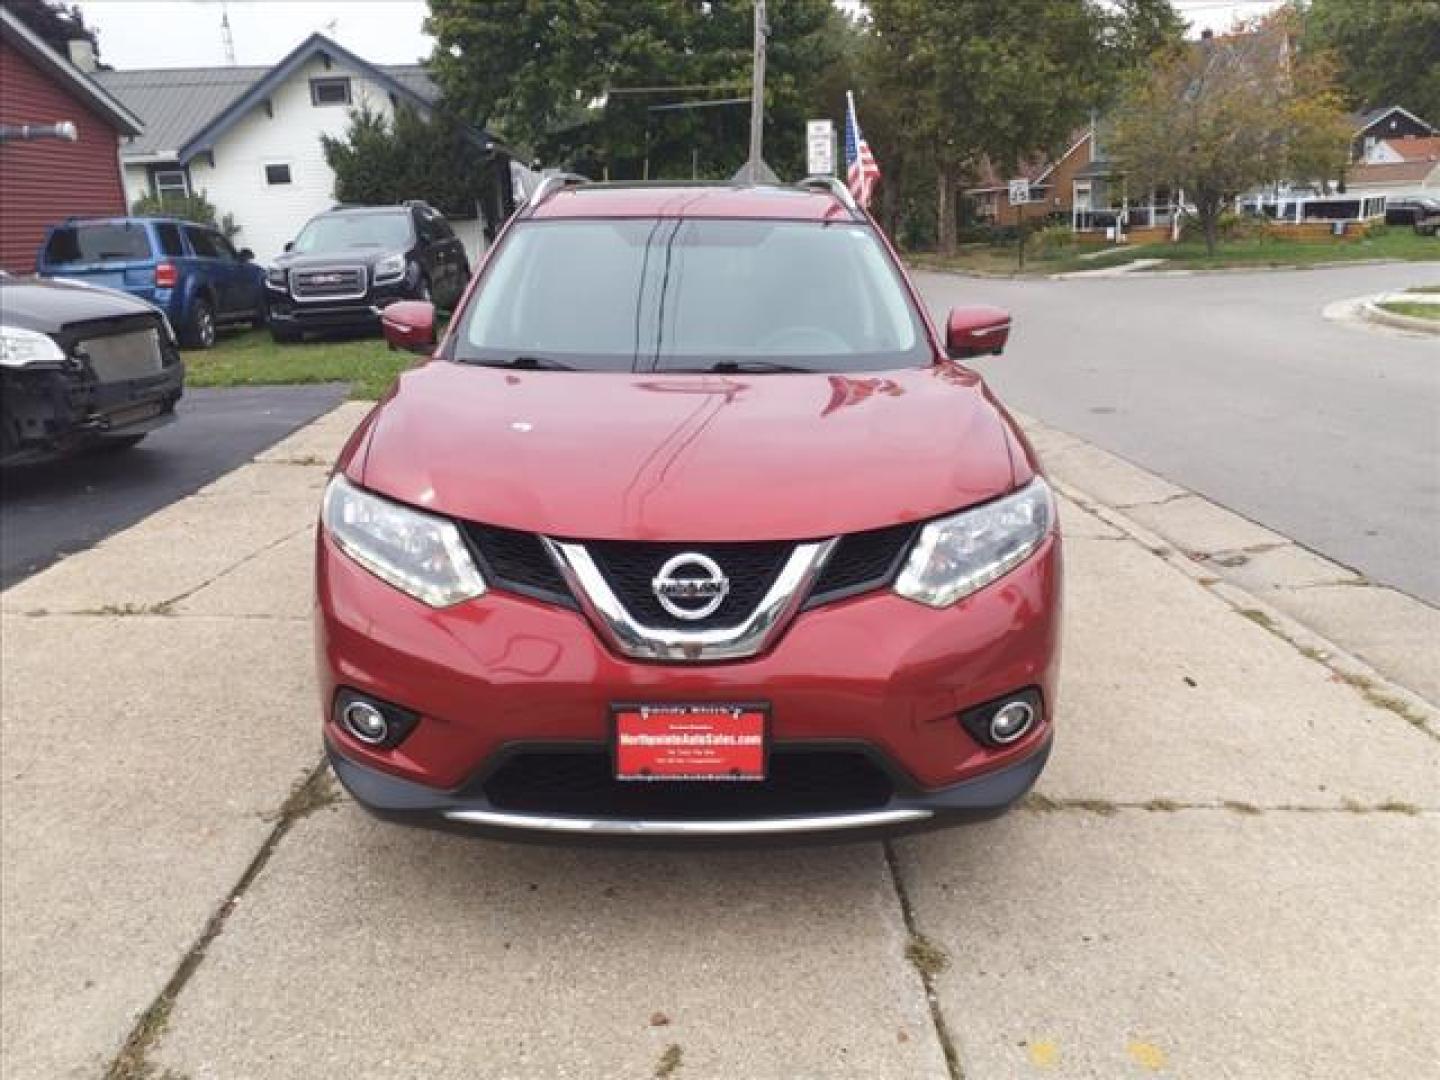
pixel 101 241
pixel 339 232
pixel 692 295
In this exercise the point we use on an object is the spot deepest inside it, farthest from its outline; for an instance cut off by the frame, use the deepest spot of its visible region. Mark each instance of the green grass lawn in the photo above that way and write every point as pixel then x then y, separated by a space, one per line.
pixel 253 359
pixel 1425 289
pixel 1418 310
pixel 1395 243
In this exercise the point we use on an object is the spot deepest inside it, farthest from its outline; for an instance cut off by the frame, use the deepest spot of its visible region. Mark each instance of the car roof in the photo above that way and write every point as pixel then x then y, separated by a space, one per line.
pixel 691 201
pixel 361 210
pixel 73 221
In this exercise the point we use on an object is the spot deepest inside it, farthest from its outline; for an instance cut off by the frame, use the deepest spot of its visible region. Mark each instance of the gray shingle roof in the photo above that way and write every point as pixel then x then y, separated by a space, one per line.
pixel 177 103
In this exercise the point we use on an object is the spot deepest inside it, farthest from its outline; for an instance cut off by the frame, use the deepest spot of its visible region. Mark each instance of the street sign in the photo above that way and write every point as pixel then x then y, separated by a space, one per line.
pixel 820 147
pixel 1019 192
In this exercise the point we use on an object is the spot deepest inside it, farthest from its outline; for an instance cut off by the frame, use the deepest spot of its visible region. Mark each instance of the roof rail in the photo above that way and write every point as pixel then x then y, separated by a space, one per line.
pixel 549 185
pixel 832 184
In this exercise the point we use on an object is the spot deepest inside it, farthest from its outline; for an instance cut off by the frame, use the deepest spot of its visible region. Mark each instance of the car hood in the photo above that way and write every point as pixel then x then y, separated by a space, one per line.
pixel 46 305
pixel 686 457
pixel 348 257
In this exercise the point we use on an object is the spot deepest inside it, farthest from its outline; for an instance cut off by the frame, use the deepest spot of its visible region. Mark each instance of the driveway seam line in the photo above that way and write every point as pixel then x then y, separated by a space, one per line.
pixel 932 1000
pixel 132 1061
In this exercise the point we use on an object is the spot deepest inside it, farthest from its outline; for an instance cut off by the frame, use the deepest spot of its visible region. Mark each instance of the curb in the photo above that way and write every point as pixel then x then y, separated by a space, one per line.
pixel 1371 311
pixel 1350 669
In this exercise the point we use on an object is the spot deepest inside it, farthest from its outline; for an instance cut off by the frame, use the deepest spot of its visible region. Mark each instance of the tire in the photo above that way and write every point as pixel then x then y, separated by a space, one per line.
pixel 284 335
pixel 262 316
pixel 200 328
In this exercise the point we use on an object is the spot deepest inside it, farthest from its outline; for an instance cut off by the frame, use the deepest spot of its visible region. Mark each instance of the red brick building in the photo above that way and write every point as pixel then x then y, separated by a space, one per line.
pixel 44 180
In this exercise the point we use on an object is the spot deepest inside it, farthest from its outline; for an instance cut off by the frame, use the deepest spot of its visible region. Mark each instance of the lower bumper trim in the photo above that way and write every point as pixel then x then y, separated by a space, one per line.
pixel 627 827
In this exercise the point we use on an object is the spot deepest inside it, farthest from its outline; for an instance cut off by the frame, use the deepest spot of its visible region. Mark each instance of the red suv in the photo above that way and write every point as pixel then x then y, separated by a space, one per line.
pixel 692 527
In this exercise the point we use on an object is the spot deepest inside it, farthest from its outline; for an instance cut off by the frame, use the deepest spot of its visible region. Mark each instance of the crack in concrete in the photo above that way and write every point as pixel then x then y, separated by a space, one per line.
pixel 316 790
pixel 1037 803
pixel 917 944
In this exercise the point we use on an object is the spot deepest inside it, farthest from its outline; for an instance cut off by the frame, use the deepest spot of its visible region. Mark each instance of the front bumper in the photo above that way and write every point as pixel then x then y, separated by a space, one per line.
pixel 318 315
pixel 470 810
pixel 50 412
pixel 875 672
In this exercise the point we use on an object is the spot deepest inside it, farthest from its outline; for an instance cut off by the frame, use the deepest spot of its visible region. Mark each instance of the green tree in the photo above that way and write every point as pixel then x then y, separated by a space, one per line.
pixel 1389 50
pixel 558 78
pixel 974 80
pixel 1219 117
pixel 196 207
pixel 382 160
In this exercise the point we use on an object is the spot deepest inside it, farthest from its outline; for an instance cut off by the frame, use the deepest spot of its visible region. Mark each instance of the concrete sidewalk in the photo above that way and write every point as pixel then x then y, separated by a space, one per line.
pixel 1229 868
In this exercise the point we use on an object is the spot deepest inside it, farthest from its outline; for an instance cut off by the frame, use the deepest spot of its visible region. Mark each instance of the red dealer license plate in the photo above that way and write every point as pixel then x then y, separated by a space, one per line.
pixel 690 742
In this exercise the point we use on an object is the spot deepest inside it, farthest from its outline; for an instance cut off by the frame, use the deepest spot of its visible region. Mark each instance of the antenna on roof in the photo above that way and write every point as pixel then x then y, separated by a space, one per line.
pixel 226 37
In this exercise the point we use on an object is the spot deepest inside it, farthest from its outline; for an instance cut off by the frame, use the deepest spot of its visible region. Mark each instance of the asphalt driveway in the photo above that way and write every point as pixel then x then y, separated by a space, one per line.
pixel 54 510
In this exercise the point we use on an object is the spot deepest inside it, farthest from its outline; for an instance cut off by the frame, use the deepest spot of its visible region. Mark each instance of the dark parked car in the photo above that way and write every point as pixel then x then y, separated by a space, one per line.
pixel 347 264
pixel 189 271
pixel 1419 211
pixel 81 367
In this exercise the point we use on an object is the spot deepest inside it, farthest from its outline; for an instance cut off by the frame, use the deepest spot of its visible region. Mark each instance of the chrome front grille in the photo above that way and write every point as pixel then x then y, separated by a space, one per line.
pixel 328 283
pixel 118 357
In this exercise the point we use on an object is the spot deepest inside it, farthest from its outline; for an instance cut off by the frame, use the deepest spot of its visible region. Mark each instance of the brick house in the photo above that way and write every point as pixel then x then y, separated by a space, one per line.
pixel 1050 185
pixel 44 180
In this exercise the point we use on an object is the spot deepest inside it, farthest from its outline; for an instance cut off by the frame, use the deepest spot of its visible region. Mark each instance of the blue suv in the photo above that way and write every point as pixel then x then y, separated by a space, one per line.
pixel 189 271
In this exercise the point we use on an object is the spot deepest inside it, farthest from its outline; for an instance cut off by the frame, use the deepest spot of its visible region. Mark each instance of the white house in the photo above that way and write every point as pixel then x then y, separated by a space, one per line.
pixel 249 137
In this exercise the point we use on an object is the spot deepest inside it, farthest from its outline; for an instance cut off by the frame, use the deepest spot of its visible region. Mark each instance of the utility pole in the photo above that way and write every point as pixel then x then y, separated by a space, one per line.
pixel 227 39
pixel 757 91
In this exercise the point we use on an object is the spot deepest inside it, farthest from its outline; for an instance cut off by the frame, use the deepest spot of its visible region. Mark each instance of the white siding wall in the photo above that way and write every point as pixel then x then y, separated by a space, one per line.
pixel 137 183
pixel 269 215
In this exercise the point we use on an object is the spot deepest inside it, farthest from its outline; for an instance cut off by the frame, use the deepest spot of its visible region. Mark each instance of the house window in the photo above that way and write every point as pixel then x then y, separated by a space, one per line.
pixel 171 183
pixel 330 91
pixel 277 174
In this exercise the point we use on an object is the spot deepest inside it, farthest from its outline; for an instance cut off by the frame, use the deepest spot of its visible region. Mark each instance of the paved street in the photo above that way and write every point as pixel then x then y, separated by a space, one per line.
pixel 1232 385
pixel 53 510
pixel 1234 844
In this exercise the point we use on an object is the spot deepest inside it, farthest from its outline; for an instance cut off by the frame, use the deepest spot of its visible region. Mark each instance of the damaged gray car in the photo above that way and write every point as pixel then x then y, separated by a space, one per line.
pixel 81 368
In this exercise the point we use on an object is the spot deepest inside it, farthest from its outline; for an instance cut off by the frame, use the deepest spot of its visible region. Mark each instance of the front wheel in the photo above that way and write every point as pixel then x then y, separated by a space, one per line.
pixel 284 335
pixel 200 329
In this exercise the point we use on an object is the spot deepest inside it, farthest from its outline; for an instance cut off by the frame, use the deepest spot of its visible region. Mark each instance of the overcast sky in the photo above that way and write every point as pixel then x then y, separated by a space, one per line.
pixel 186 33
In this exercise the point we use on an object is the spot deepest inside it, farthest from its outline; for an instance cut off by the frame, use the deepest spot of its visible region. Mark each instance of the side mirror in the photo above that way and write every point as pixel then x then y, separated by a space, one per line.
pixel 289 245
pixel 409 325
pixel 246 255
pixel 976 331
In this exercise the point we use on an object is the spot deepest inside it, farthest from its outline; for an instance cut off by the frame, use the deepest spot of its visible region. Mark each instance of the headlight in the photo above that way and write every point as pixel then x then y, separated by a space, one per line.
pixel 391 268
pixel 21 348
pixel 418 553
pixel 957 555
pixel 275 277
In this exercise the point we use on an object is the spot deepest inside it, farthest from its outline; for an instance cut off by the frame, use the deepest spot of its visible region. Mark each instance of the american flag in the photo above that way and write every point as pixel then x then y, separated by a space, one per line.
pixel 861 172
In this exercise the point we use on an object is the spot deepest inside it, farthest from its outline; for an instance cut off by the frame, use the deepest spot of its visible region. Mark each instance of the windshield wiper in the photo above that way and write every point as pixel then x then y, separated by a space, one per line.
pixel 744 367
pixel 527 363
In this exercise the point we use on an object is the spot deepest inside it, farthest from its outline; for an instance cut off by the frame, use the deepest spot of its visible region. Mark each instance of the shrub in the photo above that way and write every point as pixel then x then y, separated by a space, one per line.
pixel 1053 240
pixel 1231 226
pixel 196 208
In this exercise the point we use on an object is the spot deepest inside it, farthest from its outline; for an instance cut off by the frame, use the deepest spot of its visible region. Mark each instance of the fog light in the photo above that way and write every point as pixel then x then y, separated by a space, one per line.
pixel 365 722
pixel 1011 722
pixel 1005 720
